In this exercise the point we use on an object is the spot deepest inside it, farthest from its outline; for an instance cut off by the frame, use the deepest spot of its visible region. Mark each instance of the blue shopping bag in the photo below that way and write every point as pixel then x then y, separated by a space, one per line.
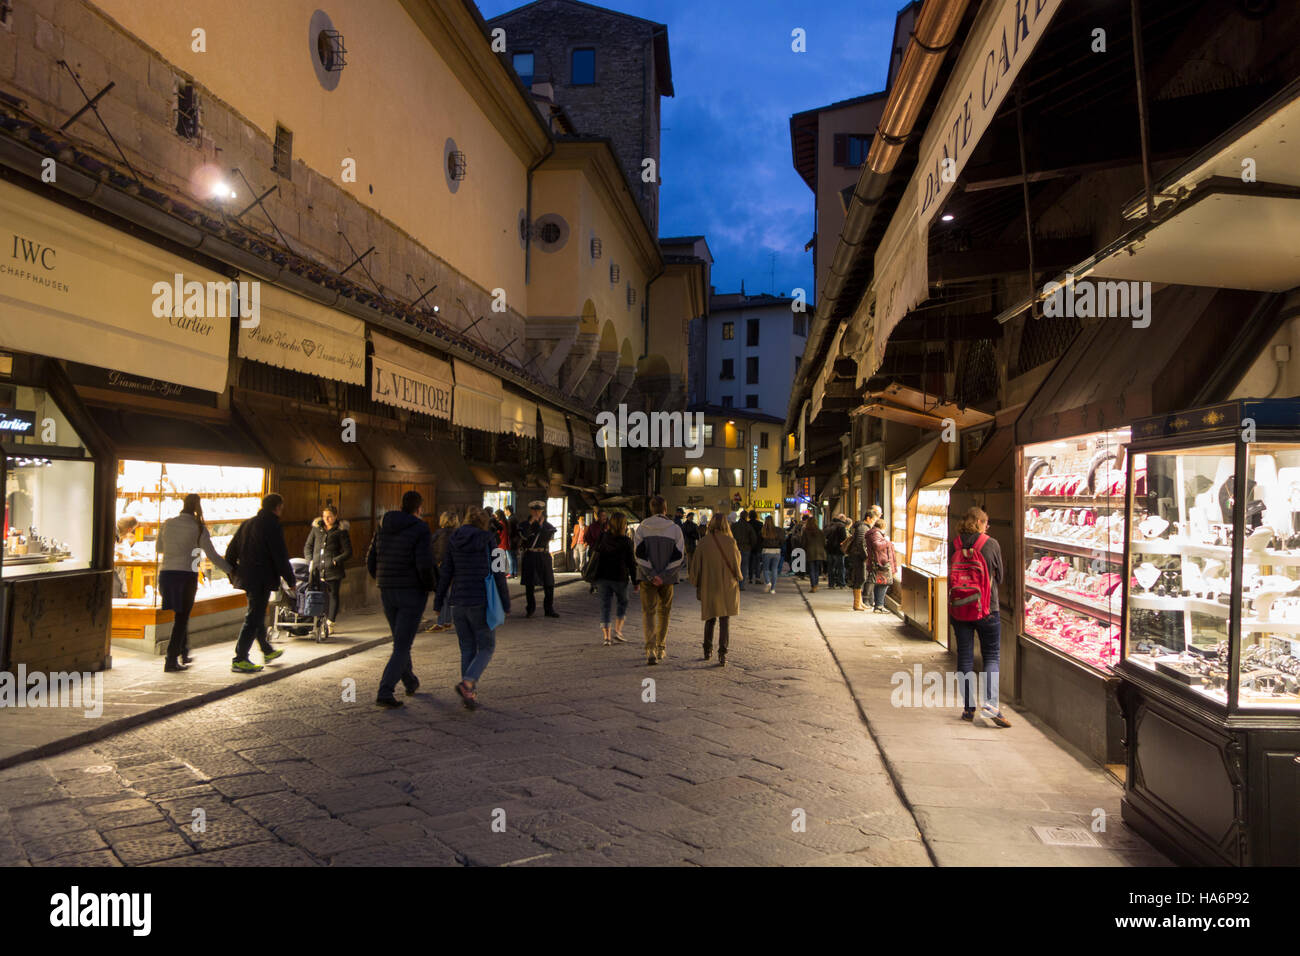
pixel 496 614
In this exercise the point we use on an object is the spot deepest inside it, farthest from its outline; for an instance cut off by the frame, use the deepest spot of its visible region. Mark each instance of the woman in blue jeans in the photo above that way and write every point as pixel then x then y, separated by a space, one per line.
pixel 773 540
pixel 974 525
pixel 615 568
pixel 466 567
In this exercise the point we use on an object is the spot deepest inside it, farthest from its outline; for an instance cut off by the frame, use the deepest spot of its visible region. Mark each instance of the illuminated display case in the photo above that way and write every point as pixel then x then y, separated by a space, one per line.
pixel 1210 678
pixel 929 551
pixel 898 514
pixel 49 481
pixel 151 492
pixel 1072 548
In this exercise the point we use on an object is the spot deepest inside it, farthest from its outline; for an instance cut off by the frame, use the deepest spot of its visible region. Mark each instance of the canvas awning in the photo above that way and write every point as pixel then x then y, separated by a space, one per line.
pixel 554 431
pixel 73 288
pixel 583 445
pixel 518 416
pixel 409 378
pixel 294 333
pixel 478 398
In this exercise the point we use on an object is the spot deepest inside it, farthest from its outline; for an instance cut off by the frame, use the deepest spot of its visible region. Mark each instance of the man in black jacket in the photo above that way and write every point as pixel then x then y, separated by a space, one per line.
pixel 538 570
pixel 400 559
pixel 260 559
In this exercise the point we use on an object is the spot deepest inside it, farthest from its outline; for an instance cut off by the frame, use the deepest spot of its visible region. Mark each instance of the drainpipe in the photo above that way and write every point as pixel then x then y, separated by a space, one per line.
pixel 936 28
pixel 528 208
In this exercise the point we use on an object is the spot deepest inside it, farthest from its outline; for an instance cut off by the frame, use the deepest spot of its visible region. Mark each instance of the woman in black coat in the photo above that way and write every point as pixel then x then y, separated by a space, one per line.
pixel 328 549
pixel 615 569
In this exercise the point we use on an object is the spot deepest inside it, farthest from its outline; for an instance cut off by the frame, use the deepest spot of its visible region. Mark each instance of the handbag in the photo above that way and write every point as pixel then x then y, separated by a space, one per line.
pixel 589 572
pixel 496 614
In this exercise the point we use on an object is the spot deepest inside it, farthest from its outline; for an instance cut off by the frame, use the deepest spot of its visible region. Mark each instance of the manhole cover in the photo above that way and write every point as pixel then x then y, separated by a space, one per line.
pixel 1065 836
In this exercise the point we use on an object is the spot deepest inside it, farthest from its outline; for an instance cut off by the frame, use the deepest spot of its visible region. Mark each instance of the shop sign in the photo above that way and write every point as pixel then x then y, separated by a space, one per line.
pixel 753 467
pixel 16 422
pixel 999 45
pixel 91 377
pixel 613 467
pixel 410 379
pixel 306 337
pixel 79 290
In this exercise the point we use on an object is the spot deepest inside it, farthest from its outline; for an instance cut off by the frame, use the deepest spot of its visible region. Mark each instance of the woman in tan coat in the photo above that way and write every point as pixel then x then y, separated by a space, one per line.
pixel 715 572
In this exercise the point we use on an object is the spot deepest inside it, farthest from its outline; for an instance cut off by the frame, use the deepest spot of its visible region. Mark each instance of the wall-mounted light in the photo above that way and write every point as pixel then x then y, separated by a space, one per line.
pixel 456 165
pixel 613 273
pixel 631 294
pixel 947 217
pixel 596 248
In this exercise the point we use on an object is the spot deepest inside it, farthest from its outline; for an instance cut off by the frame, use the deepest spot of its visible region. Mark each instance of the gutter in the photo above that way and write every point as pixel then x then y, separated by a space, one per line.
pixel 528 205
pixel 89 189
pixel 936 28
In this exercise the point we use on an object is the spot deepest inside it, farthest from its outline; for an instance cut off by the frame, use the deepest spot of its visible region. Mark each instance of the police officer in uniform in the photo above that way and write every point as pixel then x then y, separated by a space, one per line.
pixel 535 538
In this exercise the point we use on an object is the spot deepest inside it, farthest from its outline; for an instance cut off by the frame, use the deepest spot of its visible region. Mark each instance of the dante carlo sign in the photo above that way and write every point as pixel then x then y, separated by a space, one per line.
pixel 986 70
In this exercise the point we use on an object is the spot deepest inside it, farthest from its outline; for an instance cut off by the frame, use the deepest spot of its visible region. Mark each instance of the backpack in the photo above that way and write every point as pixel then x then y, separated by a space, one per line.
pixel 232 556
pixel 969 585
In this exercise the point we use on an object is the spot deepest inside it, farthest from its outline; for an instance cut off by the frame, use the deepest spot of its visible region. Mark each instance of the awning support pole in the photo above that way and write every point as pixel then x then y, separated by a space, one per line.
pixel 1024 188
pixel 1144 126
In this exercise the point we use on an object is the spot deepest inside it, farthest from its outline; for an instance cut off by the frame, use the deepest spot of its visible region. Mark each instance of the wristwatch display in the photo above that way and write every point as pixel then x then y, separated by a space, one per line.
pixel 1073 545
pixel 1182 590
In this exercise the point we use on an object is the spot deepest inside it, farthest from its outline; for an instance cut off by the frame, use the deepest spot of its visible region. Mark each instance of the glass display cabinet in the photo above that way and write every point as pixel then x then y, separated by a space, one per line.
pixel 898 514
pixel 929 551
pixel 1211 660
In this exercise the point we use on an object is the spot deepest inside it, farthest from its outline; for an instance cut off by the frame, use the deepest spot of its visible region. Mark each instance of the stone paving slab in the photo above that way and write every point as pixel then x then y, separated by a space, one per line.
pixel 976 791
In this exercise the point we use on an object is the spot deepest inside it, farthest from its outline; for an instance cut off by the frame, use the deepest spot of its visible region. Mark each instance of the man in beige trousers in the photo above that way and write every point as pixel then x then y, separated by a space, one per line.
pixel 660 549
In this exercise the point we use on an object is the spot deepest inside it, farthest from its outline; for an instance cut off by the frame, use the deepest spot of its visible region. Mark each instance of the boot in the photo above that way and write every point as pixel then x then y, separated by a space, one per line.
pixel 857 600
pixel 604 632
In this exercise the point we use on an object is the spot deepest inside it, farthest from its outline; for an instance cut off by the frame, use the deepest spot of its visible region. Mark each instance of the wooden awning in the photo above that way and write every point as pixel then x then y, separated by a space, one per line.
pixel 911 406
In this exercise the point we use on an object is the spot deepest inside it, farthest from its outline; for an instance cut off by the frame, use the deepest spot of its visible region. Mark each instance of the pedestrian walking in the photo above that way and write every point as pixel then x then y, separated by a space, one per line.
pixel 595 530
pixel 182 541
pixel 717 579
pixel 659 550
pixel 448 522
pixel 814 549
pixel 756 549
pixel 400 559
pixel 259 562
pixel 771 543
pixel 836 536
pixel 512 540
pixel 615 569
pixel 578 545
pixel 974 574
pixel 884 568
pixel 327 550
pixel 794 541
pixel 463 583
pixel 743 534
pixel 691 535
pixel 538 570
pixel 856 557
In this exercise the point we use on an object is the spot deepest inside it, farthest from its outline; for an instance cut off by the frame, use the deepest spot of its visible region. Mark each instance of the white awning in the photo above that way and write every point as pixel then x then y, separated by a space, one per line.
pixel 295 333
pixel 583 446
pixel 554 431
pixel 518 416
pixel 73 288
pixel 479 396
pixel 409 378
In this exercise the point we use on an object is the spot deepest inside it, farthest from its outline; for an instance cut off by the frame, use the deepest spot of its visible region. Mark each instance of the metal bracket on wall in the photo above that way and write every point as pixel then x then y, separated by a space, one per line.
pixel 92 105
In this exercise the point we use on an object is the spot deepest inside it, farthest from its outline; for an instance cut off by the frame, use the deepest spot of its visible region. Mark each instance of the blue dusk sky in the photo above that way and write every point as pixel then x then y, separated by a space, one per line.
pixel 726 162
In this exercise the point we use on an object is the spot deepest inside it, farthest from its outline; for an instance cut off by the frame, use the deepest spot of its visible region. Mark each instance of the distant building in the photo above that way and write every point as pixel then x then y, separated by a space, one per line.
pixel 606 70
pixel 745 351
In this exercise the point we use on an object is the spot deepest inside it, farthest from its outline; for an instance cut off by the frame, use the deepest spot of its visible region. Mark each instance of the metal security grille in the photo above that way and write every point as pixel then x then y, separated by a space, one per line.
pixel 977 377
pixel 1045 339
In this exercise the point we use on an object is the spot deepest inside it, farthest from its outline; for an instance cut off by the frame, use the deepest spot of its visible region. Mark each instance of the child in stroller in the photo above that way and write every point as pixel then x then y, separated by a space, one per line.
pixel 306 614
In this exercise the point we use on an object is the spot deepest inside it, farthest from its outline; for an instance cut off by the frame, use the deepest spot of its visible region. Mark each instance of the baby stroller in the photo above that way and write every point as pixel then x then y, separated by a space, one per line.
pixel 305 615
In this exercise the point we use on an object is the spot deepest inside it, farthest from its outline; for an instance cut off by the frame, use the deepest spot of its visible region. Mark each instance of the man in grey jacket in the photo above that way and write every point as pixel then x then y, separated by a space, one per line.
pixel 659 548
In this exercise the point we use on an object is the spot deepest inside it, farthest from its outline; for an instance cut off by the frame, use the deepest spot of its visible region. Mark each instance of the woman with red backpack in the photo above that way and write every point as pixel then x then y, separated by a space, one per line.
pixel 974 573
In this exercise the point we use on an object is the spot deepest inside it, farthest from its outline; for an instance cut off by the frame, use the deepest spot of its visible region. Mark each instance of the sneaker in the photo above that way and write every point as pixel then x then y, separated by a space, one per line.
pixel 651 660
pixel 994 716
pixel 245 667
pixel 661 654
pixel 388 702
pixel 968 713
pixel 412 687
pixel 272 655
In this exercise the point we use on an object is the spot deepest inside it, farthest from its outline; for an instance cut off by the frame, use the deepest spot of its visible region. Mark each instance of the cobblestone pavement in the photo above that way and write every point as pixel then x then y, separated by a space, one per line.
pixel 765 761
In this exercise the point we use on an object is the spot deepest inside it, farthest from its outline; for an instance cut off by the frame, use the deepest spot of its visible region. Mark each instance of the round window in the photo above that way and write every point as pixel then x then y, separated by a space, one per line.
pixel 549 233
pixel 326 45
pixel 552 232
